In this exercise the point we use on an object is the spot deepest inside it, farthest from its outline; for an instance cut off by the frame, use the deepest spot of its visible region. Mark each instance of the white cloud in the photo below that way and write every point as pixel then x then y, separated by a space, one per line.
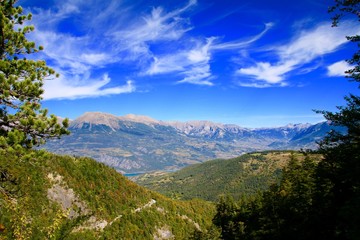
pixel 129 38
pixel 303 49
pixel 201 53
pixel 192 64
pixel 83 88
pixel 241 43
pixel 199 75
pixel 157 41
pixel 313 43
pixel 71 53
pixel 272 74
pixel 95 58
pixel 167 64
pixel 103 34
pixel 338 69
pixel 156 27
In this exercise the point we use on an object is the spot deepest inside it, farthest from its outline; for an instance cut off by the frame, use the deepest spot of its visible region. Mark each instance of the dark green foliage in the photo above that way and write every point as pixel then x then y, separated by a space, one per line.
pixel 338 191
pixel 282 212
pixel 23 123
pixel 242 176
pixel 313 200
pixel 226 218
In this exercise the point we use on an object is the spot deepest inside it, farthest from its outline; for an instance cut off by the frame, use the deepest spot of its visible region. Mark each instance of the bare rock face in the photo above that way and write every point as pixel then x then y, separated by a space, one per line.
pixel 96 118
pixel 139 119
pixel 112 121
pixel 163 233
pixel 72 206
pixel 66 197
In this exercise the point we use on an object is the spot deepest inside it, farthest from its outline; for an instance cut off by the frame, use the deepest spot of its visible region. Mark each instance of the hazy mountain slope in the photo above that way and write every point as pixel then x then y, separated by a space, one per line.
pixel 245 175
pixel 45 196
pixel 136 147
pixel 140 144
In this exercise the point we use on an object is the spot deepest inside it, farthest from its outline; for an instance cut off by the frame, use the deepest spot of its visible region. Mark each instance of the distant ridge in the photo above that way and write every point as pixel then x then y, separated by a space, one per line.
pixel 139 118
pixel 111 120
pixel 134 143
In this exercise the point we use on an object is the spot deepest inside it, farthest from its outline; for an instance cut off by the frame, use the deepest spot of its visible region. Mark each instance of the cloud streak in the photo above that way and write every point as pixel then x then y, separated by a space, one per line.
pixel 161 42
pixel 125 40
pixel 338 69
pixel 240 43
pixel 91 47
pixel 83 88
pixel 194 63
pixel 307 46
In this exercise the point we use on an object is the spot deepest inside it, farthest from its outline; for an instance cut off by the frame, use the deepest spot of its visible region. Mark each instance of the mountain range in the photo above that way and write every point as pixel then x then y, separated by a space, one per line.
pixel 134 144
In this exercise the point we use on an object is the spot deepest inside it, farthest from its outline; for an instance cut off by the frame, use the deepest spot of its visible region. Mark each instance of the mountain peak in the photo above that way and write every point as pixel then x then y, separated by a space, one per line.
pixel 112 121
pixel 96 118
pixel 139 118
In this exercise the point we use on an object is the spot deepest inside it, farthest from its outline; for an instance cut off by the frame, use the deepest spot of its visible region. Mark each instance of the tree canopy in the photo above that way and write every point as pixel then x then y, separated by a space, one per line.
pixel 314 200
pixel 23 121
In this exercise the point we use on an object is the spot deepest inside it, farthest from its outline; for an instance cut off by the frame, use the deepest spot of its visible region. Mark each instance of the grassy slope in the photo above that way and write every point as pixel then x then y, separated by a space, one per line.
pixel 244 175
pixel 25 208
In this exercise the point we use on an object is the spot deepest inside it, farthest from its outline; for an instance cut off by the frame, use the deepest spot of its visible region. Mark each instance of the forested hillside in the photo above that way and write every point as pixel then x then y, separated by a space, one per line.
pixel 239 177
pixel 44 196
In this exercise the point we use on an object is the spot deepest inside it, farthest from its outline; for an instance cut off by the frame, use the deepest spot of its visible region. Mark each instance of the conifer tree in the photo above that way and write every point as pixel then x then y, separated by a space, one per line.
pixel 351 8
pixel 338 194
pixel 23 121
pixel 315 201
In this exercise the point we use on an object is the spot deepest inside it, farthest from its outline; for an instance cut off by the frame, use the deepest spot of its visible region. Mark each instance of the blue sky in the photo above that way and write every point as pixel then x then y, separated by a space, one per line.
pixel 254 63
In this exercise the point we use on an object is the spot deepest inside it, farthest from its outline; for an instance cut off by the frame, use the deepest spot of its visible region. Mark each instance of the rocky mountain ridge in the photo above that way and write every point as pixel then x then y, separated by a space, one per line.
pixel 192 128
pixel 134 143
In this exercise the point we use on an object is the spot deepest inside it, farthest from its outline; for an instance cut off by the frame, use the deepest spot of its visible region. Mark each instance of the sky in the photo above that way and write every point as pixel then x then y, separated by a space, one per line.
pixel 252 63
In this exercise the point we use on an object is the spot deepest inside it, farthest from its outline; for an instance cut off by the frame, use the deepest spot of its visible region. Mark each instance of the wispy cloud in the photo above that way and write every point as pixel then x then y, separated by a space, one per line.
pixel 75 88
pixel 71 53
pixel 155 27
pixel 86 38
pixel 194 63
pixel 93 45
pixel 112 33
pixel 305 47
pixel 242 43
pixel 338 69
pixel 199 75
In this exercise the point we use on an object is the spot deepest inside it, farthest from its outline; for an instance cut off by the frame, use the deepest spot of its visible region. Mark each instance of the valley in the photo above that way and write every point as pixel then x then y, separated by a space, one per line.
pixel 138 144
